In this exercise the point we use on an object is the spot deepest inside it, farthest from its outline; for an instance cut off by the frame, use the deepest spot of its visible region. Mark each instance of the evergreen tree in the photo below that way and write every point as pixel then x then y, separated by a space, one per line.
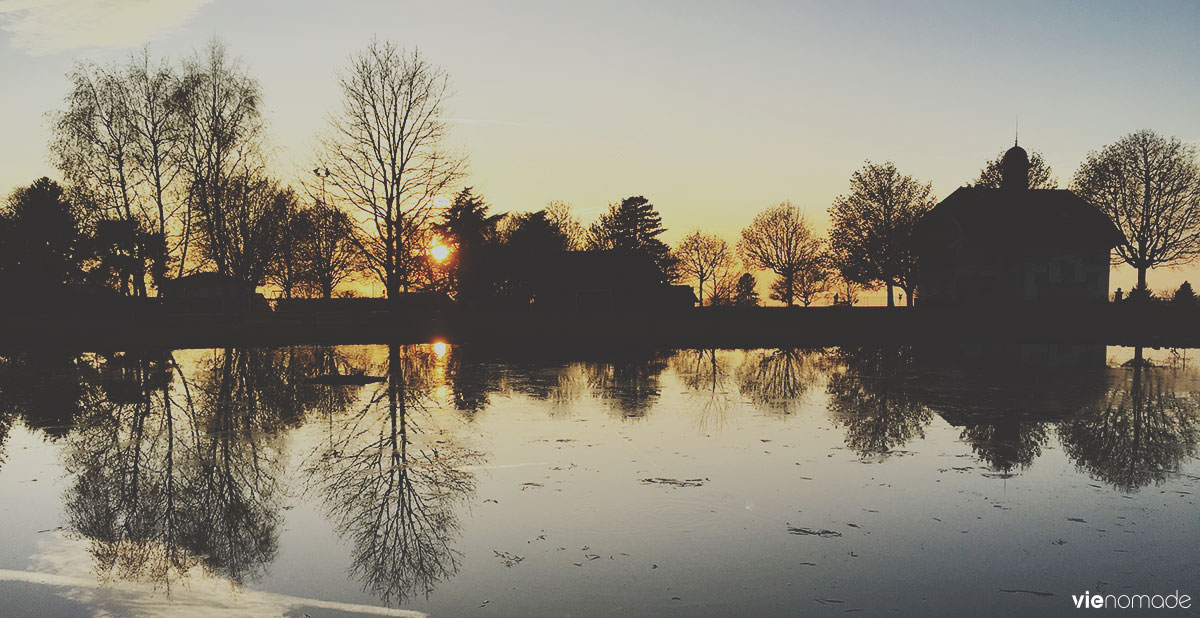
pixel 634 226
pixel 1184 295
pixel 745 294
pixel 469 228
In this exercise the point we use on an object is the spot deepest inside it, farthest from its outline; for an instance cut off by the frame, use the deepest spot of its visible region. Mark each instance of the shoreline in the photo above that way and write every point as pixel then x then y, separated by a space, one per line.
pixel 1153 326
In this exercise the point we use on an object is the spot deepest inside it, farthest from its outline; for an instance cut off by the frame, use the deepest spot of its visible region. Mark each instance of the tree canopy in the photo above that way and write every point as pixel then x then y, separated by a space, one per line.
pixel 634 226
pixel 1040 174
pixel 872 225
pixel 1150 187
pixel 780 240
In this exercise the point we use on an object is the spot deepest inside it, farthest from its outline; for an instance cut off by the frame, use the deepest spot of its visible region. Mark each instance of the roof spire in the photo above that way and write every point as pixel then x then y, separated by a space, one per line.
pixel 1016 130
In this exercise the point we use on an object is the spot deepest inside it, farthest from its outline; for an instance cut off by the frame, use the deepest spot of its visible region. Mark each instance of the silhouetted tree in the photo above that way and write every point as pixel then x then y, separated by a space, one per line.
pixel 701 256
pixel 563 220
pixel 746 292
pixel 470 229
pixel 781 241
pixel 328 253
pixel 287 268
pixel 385 155
pixel 872 225
pixel 243 240
pixel 724 285
pixel 220 157
pixel 536 233
pixel 1150 187
pixel 94 147
pixel 634 226
pixel 1040 174
pixel 814 279
pixel 42 245
pixel 1185 295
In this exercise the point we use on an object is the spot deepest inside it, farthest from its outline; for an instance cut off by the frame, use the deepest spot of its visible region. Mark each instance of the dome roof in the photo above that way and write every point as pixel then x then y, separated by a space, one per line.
pixel 1016 154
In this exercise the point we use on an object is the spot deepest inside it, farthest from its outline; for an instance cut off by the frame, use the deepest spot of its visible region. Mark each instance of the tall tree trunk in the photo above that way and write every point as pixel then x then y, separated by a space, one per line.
pixel 891 301
pixel 1141 277
pixel 908 297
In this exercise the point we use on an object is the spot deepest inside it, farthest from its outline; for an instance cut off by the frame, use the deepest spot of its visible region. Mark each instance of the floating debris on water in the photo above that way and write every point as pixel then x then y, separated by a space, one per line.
pixel 675 482
pixel 508 559
pixel 827 534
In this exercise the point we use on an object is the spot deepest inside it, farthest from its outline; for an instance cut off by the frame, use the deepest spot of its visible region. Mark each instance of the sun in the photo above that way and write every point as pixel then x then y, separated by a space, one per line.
pixel 439 252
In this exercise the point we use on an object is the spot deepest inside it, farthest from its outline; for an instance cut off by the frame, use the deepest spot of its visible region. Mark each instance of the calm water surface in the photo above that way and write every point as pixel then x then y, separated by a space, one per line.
pixel 447 480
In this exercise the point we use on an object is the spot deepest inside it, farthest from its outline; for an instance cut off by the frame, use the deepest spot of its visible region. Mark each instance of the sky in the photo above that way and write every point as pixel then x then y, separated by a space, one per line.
pixel 712 110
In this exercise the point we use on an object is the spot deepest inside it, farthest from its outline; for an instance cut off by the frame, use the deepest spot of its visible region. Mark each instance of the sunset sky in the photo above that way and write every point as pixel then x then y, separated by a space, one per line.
pixel 711 110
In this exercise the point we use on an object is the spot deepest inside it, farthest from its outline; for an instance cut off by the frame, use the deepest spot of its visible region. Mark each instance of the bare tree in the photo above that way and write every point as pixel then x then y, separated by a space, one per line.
pixel 385 156
pixel 814 278
pixel 1040 174
pixel 245 238
pixel 94 142
pixel 156 123
pixel 872 225
pixel 560 216
pixel 725 285
pixel 329 254
pixel 1150 187
pixel 287 269
pixel 701 256
pixel 781 241
pixel 220 147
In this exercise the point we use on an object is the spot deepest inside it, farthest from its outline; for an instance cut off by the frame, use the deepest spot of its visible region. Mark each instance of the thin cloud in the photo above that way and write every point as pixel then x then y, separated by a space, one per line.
pixel 41 27
pixel 507 123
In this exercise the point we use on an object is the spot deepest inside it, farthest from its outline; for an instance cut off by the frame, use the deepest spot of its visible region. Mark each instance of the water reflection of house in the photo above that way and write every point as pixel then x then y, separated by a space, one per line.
pixel 210 292
pixel 1013 244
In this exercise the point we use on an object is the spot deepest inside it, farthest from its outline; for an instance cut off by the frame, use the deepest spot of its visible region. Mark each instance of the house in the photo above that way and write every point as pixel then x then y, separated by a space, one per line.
pixel 210 293
pixel 593 280
pixel 1013 245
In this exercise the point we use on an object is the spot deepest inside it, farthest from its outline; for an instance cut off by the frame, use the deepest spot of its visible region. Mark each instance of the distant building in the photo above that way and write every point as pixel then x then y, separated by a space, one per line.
pixel 1013 245
pixel 210 293
pixel 574 280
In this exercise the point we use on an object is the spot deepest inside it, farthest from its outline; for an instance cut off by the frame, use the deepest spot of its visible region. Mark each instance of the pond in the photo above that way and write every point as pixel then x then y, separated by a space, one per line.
pixel 459 480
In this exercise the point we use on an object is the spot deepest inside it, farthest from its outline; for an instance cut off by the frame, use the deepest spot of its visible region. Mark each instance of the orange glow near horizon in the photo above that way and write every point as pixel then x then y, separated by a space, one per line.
pixel 439 251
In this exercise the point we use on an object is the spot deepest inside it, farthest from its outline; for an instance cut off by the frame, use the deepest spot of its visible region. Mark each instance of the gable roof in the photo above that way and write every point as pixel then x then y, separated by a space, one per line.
pixel 1046 217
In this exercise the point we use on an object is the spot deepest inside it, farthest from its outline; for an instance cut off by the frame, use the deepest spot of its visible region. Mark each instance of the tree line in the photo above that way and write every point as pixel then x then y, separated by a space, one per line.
pixel 167 172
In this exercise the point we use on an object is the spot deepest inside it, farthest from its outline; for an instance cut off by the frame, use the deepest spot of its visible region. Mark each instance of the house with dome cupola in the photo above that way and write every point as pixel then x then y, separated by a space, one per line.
pixel 1013 245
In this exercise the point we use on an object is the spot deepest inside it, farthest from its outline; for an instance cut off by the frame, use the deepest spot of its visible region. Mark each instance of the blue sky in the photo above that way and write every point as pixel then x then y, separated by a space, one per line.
pixel 712 110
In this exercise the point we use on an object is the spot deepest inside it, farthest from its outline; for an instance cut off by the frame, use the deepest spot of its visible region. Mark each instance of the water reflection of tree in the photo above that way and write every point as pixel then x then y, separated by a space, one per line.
pixel 873 397
pixel 473 375
pixel 777 380
pixel 1006 444
pixel 706 374
pixel 392 480
pixel 1138 432
pixel 129 496
pixel 629 383
pixel 45 388
pixel 172 474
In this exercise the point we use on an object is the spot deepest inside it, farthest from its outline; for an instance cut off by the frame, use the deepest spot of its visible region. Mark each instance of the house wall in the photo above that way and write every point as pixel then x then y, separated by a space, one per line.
pixel 966 277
